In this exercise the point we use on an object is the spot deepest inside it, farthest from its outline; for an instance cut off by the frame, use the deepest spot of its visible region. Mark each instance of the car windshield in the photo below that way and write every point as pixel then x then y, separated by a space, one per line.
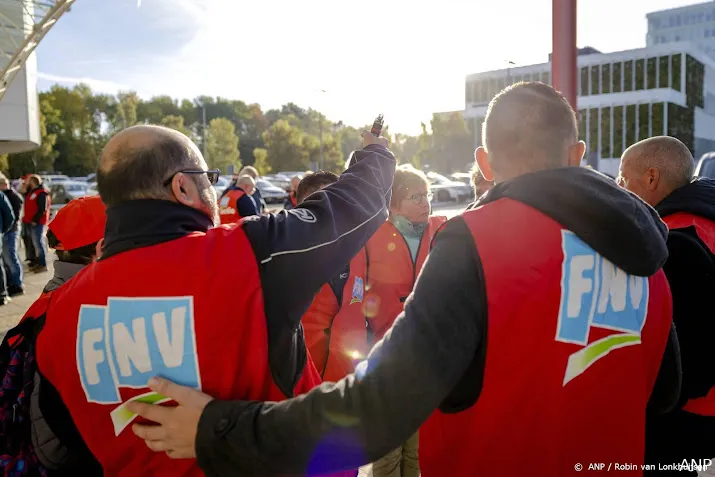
pixel 75 187
pixel 435 178
pixel 222 182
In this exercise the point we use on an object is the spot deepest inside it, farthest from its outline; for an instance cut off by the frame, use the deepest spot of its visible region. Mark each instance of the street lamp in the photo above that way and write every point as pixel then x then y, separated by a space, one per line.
pixel 508 72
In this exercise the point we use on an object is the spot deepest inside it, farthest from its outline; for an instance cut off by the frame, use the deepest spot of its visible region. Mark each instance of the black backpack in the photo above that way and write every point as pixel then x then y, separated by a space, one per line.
pixel 17 369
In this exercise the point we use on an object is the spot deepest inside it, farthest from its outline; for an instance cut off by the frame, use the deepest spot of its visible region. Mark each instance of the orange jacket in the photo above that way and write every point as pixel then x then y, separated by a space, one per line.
pixel 392 273
pixel 334 325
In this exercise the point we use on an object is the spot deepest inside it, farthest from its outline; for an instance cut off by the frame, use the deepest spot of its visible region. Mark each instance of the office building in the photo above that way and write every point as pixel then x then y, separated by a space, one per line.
pixel 625 96
pixel 693 23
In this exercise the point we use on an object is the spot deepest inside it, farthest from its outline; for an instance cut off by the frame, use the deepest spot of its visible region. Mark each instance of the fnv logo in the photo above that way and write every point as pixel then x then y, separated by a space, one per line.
pixel 358 291
pixel 596 293
pixel 124 344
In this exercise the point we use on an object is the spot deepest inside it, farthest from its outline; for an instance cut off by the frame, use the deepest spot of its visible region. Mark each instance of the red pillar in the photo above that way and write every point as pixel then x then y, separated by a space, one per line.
pixel 563 64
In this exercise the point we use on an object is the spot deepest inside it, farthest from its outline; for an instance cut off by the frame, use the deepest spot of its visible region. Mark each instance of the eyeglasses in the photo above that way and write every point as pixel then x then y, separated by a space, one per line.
pixel 212 175
pixel 418 198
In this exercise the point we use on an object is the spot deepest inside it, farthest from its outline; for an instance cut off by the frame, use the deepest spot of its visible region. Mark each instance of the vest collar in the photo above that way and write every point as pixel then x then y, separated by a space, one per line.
pixel 145 222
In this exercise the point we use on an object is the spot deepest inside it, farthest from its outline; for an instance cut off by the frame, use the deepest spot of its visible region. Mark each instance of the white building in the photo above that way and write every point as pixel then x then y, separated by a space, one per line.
pixel 694 23
pixel 665 89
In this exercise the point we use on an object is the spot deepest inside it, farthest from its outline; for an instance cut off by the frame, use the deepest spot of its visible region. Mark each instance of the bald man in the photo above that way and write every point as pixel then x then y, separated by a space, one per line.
pixel 535 332
pixel 214 308
pixel 660 170
pixel 236 202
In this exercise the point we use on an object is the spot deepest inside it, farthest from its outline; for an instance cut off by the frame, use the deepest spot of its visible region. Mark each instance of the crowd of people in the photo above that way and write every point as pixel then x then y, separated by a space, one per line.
pixel 559 323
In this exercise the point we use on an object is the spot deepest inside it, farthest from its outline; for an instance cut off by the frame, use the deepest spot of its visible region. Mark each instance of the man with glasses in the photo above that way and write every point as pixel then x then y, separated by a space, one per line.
pixel 214 308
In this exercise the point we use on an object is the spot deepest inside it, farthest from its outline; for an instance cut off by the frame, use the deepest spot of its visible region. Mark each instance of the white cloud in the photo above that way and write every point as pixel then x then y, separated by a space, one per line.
pixel 96 84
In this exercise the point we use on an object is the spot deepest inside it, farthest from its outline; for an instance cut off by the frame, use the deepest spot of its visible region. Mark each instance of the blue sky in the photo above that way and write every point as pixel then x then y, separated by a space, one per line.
pixel 403 58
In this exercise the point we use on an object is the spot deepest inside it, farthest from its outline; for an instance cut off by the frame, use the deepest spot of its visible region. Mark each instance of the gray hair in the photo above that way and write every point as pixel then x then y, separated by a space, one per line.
pixel 667 154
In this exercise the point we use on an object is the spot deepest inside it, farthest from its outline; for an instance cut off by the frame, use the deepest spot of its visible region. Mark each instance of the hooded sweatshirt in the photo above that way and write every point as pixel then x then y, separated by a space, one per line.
pixel 690 269
pixel 435 348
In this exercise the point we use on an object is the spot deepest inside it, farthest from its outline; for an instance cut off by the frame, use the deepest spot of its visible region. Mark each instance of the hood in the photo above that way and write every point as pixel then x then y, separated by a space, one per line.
pixel 64 271
pixel 612 221
pixel 697 198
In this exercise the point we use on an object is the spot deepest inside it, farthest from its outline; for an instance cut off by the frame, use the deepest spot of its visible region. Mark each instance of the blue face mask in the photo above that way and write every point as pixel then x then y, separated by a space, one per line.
pixel 406 227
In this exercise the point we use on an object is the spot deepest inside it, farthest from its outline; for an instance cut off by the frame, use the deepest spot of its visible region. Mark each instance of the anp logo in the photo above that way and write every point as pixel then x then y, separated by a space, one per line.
pixel 130 340
pixel 596 293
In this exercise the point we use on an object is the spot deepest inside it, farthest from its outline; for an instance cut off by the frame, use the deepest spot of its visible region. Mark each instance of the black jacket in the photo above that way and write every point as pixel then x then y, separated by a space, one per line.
pixel 434 355
pixel 691 273
pixel 16 202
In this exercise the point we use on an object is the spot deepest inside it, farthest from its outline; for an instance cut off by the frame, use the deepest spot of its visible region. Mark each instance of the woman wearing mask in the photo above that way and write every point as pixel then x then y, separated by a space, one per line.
pixel 396 254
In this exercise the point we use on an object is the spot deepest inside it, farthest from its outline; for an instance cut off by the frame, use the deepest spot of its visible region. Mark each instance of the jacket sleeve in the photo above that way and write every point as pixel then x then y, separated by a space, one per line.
pixel 419 361
pixel 301 249
pixel 666 390
pixel 8 216
pixel 246 206
pixel 41 206
pixel 690 272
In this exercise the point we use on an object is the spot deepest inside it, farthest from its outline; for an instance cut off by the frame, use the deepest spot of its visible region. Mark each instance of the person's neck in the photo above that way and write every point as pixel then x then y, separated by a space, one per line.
pixel 145 222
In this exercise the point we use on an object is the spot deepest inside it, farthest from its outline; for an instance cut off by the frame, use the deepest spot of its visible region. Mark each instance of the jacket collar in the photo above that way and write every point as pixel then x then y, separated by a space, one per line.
pixel 145 222
pixel 63 272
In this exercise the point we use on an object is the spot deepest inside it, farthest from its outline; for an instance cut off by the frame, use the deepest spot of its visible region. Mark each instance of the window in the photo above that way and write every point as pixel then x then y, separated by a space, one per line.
pixel 651 75
pixel 707 33
pixel 675 72
pixel 606 132
pixel 643 121
pixel 677 20
pixel 468 93
pixel 640 74
pixel 617 77
pixel 663 72
pixel 593 130
pixel 582 124
pixel 492 88
pixel 595 79
pixel 545 77
pixel 695 78
pixel 516 79
pixel 686 19
pixel 605 79
pixel 671 21
pixel 658 117
pixel 628 76
pixel 677 37
pixel 617 131
pixel 630 125
pixel 584 81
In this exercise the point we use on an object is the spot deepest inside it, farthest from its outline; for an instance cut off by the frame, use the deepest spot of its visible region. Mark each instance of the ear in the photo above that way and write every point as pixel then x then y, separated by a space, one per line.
pixel 184 190
pixel 576 153
pixel 652 178
pixel 485 167
pixel 98 250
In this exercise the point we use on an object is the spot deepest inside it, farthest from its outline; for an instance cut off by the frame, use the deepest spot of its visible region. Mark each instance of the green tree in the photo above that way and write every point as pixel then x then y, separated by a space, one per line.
pixel 222 145
pixel 175 122
pixel 284 146
pixel 261 161
pixel 126 111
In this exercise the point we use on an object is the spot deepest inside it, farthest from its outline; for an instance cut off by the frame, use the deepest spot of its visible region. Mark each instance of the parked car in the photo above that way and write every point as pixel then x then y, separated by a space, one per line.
pixel 706 166
pixel 54 178
pixel 463 177
pixel 271 193
pixel 447 190
pixel 64 191
pixel 278 181
pixel 221 184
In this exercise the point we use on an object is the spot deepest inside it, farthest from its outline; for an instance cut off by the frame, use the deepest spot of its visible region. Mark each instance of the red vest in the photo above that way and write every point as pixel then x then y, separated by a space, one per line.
pixel 30 207
pixel 228 206
pixel 110 329
pixel 705 229
pixel 393 273
pixel 570 366
pixel 336 333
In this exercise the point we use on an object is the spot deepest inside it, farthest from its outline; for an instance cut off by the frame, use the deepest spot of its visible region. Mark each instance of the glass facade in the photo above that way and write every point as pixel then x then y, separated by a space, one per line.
pixel 612 127
pixel 630 75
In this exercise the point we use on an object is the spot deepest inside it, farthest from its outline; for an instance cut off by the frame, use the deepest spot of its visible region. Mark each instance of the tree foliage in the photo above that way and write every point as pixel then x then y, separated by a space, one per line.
pixel 222 145
pixel 75 124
